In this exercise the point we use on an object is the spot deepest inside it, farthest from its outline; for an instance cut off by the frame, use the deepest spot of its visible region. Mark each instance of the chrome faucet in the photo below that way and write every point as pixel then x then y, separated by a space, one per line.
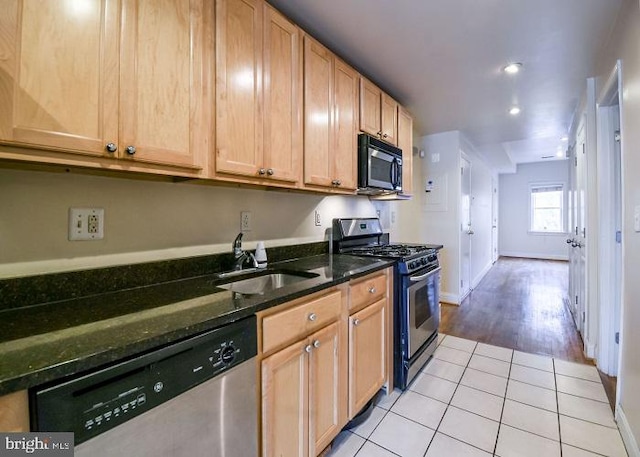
pixel 241 256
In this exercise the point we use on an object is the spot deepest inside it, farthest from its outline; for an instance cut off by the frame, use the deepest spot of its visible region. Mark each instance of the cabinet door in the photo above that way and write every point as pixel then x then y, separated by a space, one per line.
pixel 59 74
pixel 285 402
pixel 405 142
pixel 345 126
pixel 239 86
pixel 366 354
pixel 325 380
pixel 389 118
pixel 161 81
pixel 282 98
pixel 370 97
pixel 318 99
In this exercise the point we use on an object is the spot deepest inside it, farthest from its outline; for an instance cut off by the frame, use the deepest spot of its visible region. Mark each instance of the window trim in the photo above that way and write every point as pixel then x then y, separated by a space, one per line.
pixel 542 185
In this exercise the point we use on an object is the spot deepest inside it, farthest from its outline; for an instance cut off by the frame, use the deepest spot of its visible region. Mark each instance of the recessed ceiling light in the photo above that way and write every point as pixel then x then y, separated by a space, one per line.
pixel 560 153
pixel 514 111
pixel 564 138
pixel 512 68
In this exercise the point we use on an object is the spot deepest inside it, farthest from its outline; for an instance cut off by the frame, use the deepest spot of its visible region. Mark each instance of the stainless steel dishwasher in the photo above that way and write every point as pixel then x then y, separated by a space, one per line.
pixel 193 398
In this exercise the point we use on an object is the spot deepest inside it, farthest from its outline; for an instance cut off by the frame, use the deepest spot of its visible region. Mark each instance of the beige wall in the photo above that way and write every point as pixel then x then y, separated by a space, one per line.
pixel 148 220
pixel 625 45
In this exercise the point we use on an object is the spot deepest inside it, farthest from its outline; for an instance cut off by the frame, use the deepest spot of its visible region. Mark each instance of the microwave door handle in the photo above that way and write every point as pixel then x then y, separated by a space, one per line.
pixel 394 173
pixel 397 183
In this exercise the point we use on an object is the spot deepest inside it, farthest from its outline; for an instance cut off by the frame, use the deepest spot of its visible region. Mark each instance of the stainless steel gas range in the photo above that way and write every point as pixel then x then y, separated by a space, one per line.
pixel 416 294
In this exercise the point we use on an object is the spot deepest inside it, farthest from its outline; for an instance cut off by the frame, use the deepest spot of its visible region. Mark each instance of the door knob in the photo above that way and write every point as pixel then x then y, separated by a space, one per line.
pixel 312 317
pixel 316 344
pixel 270 171
pixel 262 171
pixel 470 232
pixel 131 150
pixel 307 348
pixel 111 147
pixel 356 322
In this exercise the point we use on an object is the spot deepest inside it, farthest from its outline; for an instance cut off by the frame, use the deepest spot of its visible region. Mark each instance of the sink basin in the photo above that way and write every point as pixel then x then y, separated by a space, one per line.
pixel 266 282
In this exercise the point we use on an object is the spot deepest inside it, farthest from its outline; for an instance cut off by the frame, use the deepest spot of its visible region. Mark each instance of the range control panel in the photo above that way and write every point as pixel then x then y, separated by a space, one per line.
pixel 98 401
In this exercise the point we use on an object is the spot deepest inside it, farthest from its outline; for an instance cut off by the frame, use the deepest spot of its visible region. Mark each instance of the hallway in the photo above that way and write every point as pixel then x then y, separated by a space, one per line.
pixel 519 305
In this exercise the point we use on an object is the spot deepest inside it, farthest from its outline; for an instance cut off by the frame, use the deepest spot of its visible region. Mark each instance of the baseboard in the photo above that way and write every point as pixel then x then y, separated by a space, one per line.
pixel 627 435
pixel 452 299
pixel 531 255
pixel 590 349
pixel 481 275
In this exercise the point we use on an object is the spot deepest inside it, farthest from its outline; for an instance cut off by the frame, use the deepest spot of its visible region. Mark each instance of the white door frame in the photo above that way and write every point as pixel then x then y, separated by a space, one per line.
pixel 609 111
pixel 465 265
pixel 494 219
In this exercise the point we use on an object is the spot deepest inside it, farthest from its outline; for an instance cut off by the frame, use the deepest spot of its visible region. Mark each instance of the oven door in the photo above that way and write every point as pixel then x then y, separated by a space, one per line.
pixel 422 299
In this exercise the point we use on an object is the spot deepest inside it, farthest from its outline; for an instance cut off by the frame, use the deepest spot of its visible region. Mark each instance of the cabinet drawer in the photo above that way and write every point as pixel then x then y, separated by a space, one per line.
pixel 297 322
pixel 367 291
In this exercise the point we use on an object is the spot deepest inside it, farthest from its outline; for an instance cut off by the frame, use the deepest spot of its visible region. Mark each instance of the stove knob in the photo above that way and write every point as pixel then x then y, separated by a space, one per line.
pixel 423 261
pixel 433 258
pixel 412 265
pixel 228 354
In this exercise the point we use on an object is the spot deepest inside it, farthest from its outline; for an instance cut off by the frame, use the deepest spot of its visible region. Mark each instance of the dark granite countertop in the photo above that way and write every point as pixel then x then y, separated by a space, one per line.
pixel 49 341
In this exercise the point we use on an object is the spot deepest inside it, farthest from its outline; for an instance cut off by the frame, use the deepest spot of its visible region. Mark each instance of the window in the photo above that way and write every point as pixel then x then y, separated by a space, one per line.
pixel 547 208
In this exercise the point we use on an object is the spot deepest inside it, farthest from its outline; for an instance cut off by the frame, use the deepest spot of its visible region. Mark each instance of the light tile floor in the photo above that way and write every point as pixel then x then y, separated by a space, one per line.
pixel 475 400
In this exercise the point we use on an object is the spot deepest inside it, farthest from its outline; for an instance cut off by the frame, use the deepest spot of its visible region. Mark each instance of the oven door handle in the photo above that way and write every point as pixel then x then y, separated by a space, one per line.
pixel 421 277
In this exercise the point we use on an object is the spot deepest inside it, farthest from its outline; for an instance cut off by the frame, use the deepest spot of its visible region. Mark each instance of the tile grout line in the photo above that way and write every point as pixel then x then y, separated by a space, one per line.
pixel 504 402
pixel 555 382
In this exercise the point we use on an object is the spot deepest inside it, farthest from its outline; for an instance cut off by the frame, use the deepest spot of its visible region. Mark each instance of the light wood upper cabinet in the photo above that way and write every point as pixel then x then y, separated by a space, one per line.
pixel 161 81
pixel 367 354
pixel 104 78
pixel 405 142
pixel 378 113
pixel 330 119
pixel 59 69
pixel 258 122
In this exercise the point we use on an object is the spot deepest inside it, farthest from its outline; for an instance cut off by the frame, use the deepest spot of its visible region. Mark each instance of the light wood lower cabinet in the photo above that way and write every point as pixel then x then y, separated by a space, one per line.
pixel 322 359
pixel 301 387
pixel 14 412
pixel 367 354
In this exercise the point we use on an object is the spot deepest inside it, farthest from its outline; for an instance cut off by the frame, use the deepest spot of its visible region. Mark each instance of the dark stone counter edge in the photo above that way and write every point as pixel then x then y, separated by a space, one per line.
pixel 74 367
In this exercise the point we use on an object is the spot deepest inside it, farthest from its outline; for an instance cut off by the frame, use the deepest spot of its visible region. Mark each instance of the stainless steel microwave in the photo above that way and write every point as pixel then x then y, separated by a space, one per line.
pixel 379 166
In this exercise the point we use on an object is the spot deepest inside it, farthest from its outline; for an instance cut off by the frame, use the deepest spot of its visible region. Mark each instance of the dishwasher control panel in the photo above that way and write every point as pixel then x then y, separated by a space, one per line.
pixel 93 403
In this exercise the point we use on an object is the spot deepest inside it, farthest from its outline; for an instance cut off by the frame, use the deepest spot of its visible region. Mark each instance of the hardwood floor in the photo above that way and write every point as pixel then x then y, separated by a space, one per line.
pixel 520 304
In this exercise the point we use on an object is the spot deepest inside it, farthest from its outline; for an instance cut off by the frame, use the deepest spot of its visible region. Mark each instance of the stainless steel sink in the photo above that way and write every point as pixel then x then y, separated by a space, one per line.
pixel 266 282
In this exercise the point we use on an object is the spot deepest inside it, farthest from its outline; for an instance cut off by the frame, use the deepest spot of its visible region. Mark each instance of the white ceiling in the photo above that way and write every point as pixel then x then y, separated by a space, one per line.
pixel 442 59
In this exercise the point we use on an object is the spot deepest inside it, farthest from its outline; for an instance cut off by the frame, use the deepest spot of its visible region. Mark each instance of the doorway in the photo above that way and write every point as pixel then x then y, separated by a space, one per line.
pixel 610 221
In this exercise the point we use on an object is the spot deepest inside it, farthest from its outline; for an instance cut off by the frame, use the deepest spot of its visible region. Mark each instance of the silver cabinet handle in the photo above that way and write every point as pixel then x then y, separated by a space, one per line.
pixel 131 150
pixel 338 182
pixel 270 171
pixel 307 348
pixel 262 171
pixel 111 147
pixel 372 290
pixel 312 317
pixel 356 322
pixel 316 344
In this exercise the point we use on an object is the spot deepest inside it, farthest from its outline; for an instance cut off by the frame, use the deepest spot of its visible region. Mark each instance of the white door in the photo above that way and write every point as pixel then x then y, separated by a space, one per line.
pixel 579 245
pixel 494 220
pixel 466 231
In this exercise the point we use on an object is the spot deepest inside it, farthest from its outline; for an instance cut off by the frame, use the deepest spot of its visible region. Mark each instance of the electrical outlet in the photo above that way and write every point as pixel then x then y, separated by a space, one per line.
pixel 86 224
pixel 245 221
pixel 317 219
